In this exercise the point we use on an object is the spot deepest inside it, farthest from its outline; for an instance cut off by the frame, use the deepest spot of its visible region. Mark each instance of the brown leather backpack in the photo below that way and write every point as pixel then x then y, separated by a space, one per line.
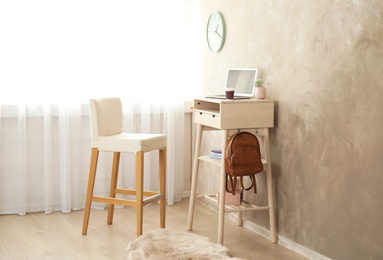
pixel 242 158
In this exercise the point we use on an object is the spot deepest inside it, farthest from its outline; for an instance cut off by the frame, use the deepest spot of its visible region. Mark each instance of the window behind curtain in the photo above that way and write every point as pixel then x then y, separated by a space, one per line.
pixel 54 55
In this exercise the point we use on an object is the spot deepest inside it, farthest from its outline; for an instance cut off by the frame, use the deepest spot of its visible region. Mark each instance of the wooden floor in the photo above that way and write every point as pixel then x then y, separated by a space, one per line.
pixel 58 235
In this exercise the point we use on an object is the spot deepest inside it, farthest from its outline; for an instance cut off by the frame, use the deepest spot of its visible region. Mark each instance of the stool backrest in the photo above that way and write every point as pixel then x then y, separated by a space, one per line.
pixel 105 118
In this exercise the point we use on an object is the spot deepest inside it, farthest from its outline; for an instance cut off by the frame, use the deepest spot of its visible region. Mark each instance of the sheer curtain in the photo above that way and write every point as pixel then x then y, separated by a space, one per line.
pixel 54 56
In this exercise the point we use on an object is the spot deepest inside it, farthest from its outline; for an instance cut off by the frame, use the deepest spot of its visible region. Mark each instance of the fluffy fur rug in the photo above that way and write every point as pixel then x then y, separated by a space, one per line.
pixel 167 244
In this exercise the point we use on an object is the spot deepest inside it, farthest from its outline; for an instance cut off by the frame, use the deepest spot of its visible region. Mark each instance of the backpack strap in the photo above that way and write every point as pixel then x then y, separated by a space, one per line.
pixel 233 183
pixel 253 183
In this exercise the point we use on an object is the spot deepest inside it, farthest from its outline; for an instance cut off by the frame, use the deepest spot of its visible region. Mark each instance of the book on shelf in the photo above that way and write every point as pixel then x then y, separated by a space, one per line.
pixel 216 154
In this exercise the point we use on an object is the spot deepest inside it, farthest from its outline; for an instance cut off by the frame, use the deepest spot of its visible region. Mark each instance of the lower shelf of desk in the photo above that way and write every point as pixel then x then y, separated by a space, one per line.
pixel 245 206
pixel 217 162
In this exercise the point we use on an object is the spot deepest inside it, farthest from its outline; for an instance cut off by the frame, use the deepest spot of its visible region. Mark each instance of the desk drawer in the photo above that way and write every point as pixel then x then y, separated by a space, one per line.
pixel 234 114
pixel 208 119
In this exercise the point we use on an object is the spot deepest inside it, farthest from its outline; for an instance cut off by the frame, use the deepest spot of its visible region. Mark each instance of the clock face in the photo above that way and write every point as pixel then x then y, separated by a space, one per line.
pixel 216 32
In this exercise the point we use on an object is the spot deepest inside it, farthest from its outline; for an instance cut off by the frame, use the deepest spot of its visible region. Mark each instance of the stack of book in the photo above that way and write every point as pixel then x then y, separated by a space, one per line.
pixel 216 154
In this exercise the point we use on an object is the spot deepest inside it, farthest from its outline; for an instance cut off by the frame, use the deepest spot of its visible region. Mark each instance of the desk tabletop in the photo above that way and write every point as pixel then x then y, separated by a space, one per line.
pixel 226 101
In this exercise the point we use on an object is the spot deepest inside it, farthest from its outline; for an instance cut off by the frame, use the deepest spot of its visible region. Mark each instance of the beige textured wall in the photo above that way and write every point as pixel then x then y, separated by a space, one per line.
pixel 323 65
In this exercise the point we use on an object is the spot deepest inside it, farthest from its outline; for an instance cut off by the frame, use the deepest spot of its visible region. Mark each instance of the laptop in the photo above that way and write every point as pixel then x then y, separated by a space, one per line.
pixel 242 80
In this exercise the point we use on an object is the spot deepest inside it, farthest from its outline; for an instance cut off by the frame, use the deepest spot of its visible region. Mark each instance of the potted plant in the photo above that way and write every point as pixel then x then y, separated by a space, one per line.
pixel 260 91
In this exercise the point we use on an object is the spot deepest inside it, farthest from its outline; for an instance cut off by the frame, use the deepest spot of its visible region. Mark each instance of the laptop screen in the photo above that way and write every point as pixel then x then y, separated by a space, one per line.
pixel 242 80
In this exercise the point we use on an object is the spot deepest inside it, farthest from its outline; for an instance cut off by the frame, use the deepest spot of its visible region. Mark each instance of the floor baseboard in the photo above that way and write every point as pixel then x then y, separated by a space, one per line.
pixel 304 251
pixel 285 242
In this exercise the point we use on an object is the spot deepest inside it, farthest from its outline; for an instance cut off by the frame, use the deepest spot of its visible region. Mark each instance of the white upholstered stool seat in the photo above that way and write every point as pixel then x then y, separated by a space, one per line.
pixel 132 143
pixel 107 135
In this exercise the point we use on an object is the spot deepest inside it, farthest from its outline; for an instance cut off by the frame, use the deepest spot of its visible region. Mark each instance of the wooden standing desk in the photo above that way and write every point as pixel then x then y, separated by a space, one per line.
pixel 225 115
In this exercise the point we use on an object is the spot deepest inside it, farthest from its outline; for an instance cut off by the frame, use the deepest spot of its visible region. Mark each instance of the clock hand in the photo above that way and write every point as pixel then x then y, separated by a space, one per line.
pixel 216 29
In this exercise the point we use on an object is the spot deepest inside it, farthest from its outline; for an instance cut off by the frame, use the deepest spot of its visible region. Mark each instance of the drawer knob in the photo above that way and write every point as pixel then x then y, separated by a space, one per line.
pixel 200 113
pixel 213 116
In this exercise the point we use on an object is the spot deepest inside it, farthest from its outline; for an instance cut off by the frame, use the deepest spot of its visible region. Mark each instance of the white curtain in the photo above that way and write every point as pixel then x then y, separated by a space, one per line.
pixel 54 56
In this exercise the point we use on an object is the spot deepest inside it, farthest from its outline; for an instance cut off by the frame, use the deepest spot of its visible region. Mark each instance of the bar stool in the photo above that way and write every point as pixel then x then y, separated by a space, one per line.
pixel 107 135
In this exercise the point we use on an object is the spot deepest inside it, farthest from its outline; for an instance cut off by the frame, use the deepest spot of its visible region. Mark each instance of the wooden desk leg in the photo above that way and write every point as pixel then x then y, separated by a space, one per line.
pixel 222 190
pixel 194 177
pixel 270 192
pixel 239 218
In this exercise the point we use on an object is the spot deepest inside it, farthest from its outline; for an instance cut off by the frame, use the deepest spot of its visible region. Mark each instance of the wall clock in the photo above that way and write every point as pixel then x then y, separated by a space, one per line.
pixel 216 32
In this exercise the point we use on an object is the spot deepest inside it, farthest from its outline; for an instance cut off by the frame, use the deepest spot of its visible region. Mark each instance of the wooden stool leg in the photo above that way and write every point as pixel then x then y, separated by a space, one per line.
pixel 89 193
pixel 139 190
pixel 113 185
pixel 162 158
pixel 270 193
